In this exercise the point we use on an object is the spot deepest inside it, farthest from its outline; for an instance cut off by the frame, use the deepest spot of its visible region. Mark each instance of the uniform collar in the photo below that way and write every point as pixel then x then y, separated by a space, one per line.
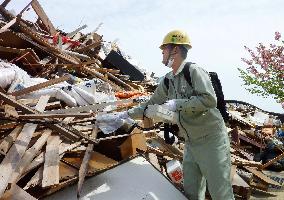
pixel 172 75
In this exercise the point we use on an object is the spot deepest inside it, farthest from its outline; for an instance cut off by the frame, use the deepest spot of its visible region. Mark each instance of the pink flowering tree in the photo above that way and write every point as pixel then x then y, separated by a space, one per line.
pixel 264 73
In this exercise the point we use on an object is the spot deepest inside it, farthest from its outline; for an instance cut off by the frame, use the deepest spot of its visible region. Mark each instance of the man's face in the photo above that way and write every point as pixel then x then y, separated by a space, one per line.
pixel 165 52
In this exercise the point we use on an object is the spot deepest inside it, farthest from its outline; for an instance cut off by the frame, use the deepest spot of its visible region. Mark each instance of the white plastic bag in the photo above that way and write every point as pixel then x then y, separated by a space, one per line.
pixel 7 76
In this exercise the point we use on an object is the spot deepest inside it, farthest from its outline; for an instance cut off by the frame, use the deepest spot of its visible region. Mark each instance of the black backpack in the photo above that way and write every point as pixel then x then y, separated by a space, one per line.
pixel 221 104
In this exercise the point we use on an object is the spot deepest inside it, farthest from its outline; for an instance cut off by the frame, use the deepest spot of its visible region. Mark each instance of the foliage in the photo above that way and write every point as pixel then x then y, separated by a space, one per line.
pixel 264 74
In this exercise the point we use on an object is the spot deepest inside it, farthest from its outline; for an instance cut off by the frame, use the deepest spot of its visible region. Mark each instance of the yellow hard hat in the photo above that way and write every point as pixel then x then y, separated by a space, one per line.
pixel 177 37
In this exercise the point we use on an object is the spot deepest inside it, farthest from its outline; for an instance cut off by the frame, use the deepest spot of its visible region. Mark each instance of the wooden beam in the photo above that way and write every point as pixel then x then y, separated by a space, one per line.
pixel 8 125
pixel 8 25
pixel 84 166
pixel 17 193
pixel 272 161
pixel 9 140
pixel 29 156
pixel 51 163
pixel 38 40
pixel 88 47
pixel 14 155
pixel 262 176
pixel 67 131
pixel 42 116
pixel 93 72
pixel 43 17
pixel 63 147
pixel 35 180
pixel 88 108
pixel 5 3
pixel 119 81
pixel 40 86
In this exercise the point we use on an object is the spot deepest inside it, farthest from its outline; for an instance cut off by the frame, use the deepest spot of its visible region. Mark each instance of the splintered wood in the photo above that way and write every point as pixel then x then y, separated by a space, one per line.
pixel 51 164
pixel 50 142
pixel 13 157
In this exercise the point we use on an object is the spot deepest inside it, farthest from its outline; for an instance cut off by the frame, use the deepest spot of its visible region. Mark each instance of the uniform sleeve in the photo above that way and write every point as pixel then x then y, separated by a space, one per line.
pixel 204 96
pixel 159 97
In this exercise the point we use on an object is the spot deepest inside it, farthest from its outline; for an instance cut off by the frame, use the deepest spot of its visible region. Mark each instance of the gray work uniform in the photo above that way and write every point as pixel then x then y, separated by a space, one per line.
pixel 207 147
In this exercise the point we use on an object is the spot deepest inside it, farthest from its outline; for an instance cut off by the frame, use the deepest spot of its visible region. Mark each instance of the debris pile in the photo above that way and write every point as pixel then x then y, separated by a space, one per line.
pixel 256 146
pixel 53 84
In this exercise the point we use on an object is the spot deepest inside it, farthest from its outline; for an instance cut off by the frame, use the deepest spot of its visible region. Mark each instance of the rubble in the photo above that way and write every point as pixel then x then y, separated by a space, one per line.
pixel 54 85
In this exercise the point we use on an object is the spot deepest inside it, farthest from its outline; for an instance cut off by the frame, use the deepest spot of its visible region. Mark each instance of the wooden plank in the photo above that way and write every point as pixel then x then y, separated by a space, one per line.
pixel 14 155
pixel 163 153
pixel 132 143
pixel 262 176
pixel 17 193
pixel 5 3
pixel 233 172
pixel 51 164
pixel 240 187
pixel 66 172
pixel 36 179
pixel 97 162
pixel 236 160
pixel 272 161
pixel 40 86
pixel 8 125
pixel 251 141
pixel 84 166
pixel 43 17
pixel 119 81
pixel 88 108
pixel 38 40
pixel 9 140
pixel 69 132
pixel 42 116
pixel 58 187
pixel 88 47
pixel 93 72
pixel 29 156
pixel 8 25
pixel 63 147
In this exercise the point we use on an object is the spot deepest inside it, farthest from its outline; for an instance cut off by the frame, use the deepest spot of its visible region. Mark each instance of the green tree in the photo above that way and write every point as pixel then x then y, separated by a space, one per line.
pixel 264 73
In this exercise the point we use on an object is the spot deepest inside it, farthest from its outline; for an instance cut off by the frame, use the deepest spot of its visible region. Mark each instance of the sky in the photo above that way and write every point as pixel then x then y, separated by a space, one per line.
pixel 218 30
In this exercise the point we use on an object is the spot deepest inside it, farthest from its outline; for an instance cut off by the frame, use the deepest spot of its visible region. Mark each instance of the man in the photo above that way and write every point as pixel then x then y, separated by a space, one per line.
pixel 207 148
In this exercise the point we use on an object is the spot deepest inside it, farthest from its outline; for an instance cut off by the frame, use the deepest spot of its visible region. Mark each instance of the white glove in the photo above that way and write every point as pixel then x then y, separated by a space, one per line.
pixel 161 113
pixel 171 105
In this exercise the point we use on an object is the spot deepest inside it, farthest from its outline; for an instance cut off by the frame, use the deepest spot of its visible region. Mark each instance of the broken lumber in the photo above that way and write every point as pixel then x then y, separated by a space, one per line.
pixel 51 163
pixel 29 156
pixel 14 155
pixel 9 140
pixel 84 166
pixel 43 17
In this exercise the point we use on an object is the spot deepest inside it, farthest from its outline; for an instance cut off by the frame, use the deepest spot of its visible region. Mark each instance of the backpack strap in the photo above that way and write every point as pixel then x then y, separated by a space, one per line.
pixel 167 82
pixel 186 73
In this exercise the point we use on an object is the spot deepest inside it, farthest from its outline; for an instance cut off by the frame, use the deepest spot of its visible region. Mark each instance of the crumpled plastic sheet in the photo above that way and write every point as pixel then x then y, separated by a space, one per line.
pixel 84 93
pixel 108 123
